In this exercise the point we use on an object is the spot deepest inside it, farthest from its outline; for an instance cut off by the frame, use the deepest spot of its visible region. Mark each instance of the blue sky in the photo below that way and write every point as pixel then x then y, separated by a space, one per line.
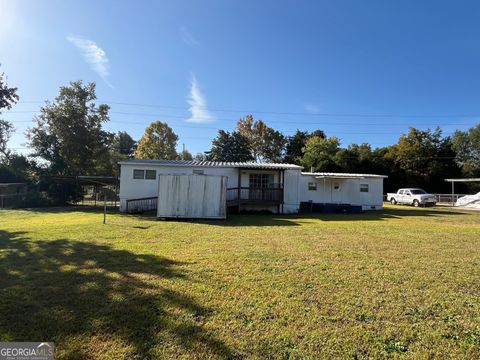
pixel 363 71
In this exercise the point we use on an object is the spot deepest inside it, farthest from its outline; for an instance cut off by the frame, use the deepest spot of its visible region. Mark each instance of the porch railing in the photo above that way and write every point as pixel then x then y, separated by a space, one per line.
pixel 250 195
pixel 448 198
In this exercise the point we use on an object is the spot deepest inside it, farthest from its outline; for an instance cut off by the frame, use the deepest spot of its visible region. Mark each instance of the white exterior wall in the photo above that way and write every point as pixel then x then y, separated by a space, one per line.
pixel 348 193
pixel 295 186
pixel 131 188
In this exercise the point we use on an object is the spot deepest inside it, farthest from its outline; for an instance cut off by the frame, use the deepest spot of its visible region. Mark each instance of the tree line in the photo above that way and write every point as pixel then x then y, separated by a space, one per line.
pixel 68 138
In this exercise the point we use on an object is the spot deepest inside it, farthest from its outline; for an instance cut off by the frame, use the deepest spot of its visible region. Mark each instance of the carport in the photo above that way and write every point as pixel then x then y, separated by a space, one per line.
pixel 453 181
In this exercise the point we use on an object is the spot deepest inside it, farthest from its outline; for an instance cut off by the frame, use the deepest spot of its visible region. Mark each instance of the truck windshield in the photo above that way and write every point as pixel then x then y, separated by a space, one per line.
pixel 417 191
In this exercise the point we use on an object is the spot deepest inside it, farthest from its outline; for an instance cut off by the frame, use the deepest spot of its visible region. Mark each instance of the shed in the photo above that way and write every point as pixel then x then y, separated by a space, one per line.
pixel 192 196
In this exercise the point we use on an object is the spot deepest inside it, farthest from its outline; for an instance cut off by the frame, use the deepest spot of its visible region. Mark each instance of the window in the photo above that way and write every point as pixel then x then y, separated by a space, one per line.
pixel 198 172
pixel 418 191
pixel 260 180
pixel 336 186
pixel 150 174
pixel 312 186
pixel 139 174
pixel 363 187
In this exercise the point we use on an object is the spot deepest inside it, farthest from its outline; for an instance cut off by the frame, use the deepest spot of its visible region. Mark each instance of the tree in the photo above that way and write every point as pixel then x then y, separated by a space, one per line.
pixel 68 132
pixel 294 147
pixel 122 147
pixel 6 130
pixel 466 145
pixel 124 144
pixel 425 157
pixel 17 168
pixel 200 157
pixel 296 143
pixel 230 147
pixel 319 154
pixel 185 155
pixel 266 143
pixel 158 142
pixel 8 97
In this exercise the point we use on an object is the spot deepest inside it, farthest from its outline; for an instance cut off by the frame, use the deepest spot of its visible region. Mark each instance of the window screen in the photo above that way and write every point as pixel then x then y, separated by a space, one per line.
pixel 260 180
pixel 312 186
pixel 150 174
pixel 139 174
pixel 198 172
pixel 363 187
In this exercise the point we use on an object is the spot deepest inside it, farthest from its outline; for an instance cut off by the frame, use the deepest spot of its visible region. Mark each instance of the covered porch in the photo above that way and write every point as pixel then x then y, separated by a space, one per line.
pixel 257 189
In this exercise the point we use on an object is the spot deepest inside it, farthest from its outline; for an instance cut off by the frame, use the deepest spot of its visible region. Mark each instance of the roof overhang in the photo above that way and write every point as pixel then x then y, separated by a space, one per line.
pixel 211 164
pixel 86 180
pixel 6 185
pixel 340 176
pixel 463 180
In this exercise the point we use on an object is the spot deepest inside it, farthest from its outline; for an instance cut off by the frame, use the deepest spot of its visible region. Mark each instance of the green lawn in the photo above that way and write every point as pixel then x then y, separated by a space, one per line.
pixel 401 282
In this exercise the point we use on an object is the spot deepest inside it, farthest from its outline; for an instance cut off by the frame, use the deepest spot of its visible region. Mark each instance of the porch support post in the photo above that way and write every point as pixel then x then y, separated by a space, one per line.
pixel 453 193
pixel 279 184
pixel 283 187
pixel 239 185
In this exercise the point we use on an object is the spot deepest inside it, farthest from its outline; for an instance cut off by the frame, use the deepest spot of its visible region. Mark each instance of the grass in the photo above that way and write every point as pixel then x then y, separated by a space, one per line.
pixel 398 283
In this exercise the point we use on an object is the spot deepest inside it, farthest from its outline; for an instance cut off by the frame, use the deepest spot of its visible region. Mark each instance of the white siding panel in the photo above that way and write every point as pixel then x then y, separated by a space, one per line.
pixel 191 196
pixel 291 191
pixel 349 191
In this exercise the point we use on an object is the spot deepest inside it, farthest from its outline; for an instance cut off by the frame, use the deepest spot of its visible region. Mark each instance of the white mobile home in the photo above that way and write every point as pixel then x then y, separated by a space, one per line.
pixel 250 186
pixel 364 190
pixel 279 188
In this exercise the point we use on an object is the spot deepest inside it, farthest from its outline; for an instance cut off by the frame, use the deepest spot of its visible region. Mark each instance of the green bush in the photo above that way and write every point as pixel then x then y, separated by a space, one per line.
pixel 32 199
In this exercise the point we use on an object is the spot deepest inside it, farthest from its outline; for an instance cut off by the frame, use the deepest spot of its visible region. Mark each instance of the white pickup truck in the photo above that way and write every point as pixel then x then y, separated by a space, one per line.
pixel 412 196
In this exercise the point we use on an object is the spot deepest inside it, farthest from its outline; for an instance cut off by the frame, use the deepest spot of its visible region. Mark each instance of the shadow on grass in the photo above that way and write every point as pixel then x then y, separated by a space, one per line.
pixel 293 219
pixel 67 209
pixel 61 290
pixel 259 219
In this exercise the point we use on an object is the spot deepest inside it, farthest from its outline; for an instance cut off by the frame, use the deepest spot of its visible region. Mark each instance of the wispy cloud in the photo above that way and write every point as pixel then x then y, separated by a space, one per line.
pixel 188 38
pixel 94 55
pixel 198 105
pixel 311 108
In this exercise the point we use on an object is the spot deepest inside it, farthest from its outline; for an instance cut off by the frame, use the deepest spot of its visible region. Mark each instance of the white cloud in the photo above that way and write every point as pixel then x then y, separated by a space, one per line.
pixel 311 108
pixel 188 38
pixel 198 105
pixel 94 55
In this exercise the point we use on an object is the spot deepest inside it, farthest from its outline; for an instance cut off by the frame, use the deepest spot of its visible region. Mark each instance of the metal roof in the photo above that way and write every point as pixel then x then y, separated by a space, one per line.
pixel 463 180
pixel 86 179
pixel 4 185
pixel 220 164
pixel 332 175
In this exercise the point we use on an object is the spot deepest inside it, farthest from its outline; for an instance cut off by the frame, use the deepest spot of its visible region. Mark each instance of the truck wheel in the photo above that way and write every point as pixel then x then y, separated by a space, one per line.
pixel 416 203
pixel 393 201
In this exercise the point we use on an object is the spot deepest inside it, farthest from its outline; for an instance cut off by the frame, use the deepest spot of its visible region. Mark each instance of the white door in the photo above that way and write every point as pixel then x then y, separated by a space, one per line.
pixel 407 198
pixel 336 192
